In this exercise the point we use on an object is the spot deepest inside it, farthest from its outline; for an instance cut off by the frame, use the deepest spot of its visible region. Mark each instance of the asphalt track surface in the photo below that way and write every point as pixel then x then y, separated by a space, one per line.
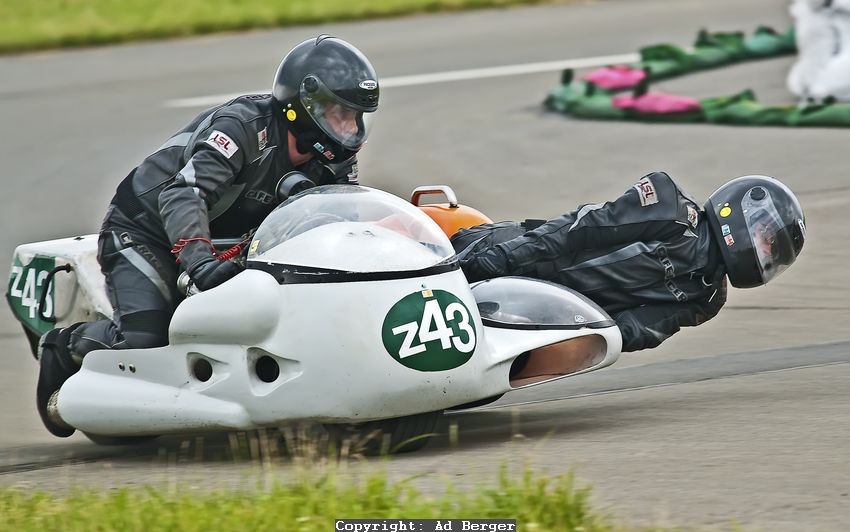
pixel 744 419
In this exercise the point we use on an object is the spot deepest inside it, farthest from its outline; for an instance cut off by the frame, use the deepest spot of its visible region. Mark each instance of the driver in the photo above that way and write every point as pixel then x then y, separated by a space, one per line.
pixel 652 258
pixel 215 178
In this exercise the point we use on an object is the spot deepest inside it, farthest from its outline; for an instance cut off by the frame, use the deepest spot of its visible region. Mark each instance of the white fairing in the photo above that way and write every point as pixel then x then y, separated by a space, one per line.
pixel 77 295
pixel 341 247
pixel 345 350
pixel 823 44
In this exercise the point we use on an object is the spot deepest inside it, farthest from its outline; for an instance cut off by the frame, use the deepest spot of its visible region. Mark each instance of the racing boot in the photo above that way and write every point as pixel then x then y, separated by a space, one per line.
pixel 56 365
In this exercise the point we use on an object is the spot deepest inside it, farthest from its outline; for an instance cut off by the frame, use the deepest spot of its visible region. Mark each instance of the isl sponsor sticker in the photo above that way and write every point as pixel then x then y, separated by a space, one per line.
pixel 430 330
pixel 222 143
pixel 646 192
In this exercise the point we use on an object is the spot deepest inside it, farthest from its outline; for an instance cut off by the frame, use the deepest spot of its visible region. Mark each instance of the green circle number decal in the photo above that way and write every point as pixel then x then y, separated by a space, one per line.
pixel 430 330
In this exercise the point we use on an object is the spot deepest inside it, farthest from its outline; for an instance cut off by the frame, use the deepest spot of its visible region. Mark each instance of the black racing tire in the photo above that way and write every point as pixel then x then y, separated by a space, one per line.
pixel 119 440
pixel 385 436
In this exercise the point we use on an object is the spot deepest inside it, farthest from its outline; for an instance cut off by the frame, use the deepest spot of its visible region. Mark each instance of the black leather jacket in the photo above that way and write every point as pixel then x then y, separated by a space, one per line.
pixel 215 178
pixel 647 258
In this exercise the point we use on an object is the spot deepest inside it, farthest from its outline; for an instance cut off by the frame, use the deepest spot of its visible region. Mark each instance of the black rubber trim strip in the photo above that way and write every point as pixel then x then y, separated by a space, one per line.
pixel 292 274
pixel 542 327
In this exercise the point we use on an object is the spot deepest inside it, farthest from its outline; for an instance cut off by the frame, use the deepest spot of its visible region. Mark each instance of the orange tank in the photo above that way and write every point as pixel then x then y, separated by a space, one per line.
pixel 451 216
pixel 452 219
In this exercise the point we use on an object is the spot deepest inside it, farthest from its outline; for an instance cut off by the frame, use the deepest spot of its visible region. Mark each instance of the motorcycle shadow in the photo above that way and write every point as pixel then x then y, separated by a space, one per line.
pixel 463 430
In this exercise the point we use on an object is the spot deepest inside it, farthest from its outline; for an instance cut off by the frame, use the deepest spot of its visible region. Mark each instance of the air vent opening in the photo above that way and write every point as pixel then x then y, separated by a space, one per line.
pixel 267 369
pixel 202 369
pixel 557 360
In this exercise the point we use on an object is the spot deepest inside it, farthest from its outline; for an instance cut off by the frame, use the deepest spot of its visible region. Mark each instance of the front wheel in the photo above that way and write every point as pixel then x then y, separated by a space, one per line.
pixel 386 436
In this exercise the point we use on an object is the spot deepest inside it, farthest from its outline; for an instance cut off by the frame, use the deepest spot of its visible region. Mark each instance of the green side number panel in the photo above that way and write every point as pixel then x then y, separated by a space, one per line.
pixel 430 331
pixel 26 283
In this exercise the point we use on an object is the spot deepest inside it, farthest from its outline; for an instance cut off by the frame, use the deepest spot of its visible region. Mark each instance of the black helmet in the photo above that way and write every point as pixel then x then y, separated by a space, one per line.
pixel 759 226
pixel 325 87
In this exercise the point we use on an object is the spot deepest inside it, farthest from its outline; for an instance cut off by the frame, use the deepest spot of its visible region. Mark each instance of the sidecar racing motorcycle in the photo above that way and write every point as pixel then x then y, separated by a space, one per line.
pixel 352 312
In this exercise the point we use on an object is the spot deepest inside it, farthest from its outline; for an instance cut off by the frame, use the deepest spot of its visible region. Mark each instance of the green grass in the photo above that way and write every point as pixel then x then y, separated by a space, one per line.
pixel 35 24
pixel 308 504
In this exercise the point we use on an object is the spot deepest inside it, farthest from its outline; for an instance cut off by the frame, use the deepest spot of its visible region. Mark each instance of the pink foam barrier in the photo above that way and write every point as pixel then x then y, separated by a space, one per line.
pixel 656 103
pixel 616 77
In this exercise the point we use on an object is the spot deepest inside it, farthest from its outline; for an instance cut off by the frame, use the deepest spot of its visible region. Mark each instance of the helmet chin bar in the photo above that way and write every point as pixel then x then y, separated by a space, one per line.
pixel 302 144
pixel 310 142
pixel 321 146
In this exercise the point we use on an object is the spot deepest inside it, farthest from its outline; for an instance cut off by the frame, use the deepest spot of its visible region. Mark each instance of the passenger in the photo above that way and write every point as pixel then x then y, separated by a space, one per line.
pixel 653 259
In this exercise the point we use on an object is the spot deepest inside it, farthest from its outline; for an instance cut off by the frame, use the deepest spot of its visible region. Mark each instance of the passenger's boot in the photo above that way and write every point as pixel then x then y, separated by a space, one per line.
pixel 56 366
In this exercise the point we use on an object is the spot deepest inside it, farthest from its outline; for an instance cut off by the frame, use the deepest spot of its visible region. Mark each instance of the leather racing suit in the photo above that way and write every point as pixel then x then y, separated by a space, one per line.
pixel 216 178
pixel 647 258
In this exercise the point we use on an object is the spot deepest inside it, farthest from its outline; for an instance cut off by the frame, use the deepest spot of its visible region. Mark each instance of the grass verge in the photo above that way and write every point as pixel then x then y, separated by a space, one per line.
pixel 308 504
pixel 31 25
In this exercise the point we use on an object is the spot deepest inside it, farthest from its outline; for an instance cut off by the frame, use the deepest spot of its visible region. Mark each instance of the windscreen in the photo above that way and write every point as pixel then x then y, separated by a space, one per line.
pixel 523 303
pixel 350 228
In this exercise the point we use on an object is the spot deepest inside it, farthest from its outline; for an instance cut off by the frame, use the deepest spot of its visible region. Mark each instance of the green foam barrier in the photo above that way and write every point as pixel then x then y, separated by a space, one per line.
pixel 743 109
pixel 766 42
pixel 713 50
pixel 596 103
pixel 563 97
pixel 827 114
pixel 667 118
pixel 664 61
pixel 583 99
pixel 717 49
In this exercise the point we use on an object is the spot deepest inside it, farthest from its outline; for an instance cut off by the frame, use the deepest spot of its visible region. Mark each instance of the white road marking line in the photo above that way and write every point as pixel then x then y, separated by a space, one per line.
pixel 442 77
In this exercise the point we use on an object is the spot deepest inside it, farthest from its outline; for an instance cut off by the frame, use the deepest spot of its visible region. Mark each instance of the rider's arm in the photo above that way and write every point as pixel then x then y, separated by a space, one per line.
pixel 647 326
pixel 652 209
pixel 216 158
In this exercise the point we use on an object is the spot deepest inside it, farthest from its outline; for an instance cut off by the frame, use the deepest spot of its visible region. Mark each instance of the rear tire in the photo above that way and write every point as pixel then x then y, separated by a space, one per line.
pixel 385 436
pixel 119 440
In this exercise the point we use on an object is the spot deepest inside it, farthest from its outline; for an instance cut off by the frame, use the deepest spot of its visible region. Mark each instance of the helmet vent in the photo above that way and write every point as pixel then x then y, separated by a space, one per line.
pixel 758 193
pixel 311 84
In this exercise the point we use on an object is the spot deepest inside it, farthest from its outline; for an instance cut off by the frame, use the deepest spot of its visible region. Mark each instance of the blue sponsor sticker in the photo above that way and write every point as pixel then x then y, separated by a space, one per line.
pixel 725 229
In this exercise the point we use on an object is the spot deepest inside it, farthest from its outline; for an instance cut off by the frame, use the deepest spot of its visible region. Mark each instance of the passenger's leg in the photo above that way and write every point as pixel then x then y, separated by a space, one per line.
pixel 140 281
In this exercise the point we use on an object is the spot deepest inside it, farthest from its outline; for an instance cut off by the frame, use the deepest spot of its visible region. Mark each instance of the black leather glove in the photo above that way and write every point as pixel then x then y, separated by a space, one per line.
pixel 485 264
pixel 211 272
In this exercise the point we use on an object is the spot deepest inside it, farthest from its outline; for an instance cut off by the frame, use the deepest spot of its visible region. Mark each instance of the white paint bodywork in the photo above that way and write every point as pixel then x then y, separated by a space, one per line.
pixel 327 340
pixel 80 295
